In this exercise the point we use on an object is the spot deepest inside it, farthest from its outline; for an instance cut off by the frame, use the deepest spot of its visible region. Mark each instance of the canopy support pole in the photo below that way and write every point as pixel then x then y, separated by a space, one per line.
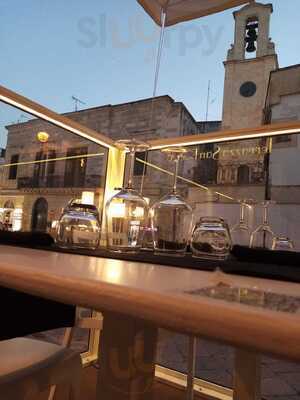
pixel 157 69
pixel 159 52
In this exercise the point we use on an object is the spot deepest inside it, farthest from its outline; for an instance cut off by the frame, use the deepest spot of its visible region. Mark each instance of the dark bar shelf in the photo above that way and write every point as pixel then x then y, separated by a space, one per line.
pixel 259 263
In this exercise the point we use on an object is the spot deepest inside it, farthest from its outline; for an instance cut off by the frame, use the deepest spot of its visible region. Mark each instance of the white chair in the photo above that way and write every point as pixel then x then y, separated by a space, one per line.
pixel 29 366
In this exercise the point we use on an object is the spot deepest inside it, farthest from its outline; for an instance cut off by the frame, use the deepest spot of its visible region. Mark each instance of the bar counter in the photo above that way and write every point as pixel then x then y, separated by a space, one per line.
pixel 254 315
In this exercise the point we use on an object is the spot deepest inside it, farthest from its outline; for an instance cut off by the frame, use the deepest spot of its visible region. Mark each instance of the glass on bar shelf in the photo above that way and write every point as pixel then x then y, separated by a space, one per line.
pixel 211 239
pixel 171 217
pixel 127 211
pixel 79 226
pixel 148 239
pixel 240 233
pixel 263 235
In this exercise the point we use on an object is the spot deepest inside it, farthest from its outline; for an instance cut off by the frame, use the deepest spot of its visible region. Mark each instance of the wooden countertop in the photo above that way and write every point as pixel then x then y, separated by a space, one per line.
pixel 158 294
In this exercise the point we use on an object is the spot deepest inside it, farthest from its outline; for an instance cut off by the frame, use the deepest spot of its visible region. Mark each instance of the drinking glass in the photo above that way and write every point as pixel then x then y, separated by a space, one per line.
pixel 263 235
pixel 211 239
pixel 78 226
pixel 283 243
pixel 171 217
pixel 127 211
pixel 240 233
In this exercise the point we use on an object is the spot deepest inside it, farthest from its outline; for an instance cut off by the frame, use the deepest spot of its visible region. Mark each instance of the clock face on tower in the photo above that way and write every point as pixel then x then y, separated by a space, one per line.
pixel 248 89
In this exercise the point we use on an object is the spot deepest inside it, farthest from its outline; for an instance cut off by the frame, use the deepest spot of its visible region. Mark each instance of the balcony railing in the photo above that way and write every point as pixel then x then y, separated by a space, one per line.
pixel 57 181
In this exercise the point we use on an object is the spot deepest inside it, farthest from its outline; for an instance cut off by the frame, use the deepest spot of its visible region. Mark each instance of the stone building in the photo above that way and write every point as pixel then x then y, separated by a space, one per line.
pixel 283 104
pixel 38 189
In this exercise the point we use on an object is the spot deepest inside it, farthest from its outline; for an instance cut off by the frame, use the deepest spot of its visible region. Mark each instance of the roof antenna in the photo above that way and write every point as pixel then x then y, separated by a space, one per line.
pixel 22 116
pixel 207 101
pixel 76 102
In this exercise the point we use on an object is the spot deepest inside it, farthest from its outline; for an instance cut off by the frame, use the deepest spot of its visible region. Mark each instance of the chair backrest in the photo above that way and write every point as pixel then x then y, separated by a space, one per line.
pixel 92 323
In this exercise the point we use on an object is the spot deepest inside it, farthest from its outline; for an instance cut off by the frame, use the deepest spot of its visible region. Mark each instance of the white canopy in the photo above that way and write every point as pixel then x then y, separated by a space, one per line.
pixel 185 10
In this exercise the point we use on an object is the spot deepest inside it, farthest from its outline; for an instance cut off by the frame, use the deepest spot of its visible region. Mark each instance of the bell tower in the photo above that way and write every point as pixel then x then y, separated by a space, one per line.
pixel 249 63
pixel 247 69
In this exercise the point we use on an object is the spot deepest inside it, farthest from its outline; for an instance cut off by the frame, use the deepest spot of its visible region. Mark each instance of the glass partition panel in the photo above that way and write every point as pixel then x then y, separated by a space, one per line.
pixel 214 179
pixel 42 168
pixel 172 351
pixel 215 363
pixel 280 379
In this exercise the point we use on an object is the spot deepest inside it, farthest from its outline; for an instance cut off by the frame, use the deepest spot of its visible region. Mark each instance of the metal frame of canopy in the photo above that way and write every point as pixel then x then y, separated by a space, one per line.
pixel 185 10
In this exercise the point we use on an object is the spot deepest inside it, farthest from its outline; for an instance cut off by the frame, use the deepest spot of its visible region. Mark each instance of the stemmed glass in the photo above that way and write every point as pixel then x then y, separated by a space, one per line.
pixel 240 233
pixel 263 235
pixel 171 217
pixel 127 211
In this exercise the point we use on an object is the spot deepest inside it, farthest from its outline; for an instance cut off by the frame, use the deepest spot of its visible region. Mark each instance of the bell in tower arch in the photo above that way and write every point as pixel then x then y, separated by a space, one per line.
pixel 251 35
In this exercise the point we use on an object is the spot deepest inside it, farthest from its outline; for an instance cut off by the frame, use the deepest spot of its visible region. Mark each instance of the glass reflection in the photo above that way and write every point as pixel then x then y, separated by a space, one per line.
pixel 113 273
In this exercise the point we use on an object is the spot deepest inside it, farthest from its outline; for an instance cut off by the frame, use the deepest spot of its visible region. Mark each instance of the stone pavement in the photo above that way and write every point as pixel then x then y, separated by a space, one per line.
pixel 214 362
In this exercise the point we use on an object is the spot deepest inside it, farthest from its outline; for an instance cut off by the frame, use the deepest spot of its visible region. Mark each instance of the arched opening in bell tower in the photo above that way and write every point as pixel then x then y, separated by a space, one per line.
pixel 251 37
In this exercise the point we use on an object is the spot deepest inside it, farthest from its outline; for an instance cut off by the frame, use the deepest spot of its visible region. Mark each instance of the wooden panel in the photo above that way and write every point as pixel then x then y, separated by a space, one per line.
pixel 247 376
pixel 127 358
pixel 162 391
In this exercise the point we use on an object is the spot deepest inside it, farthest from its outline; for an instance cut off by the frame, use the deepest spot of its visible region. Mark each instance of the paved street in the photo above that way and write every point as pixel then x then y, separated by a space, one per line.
pixel 280 380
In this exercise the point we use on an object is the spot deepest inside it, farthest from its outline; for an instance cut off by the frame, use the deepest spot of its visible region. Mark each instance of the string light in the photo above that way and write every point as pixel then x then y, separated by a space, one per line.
pixel 186 180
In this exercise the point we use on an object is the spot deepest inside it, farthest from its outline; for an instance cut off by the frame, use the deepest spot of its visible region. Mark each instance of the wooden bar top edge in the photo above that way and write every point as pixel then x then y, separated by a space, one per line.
pixel 248 327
